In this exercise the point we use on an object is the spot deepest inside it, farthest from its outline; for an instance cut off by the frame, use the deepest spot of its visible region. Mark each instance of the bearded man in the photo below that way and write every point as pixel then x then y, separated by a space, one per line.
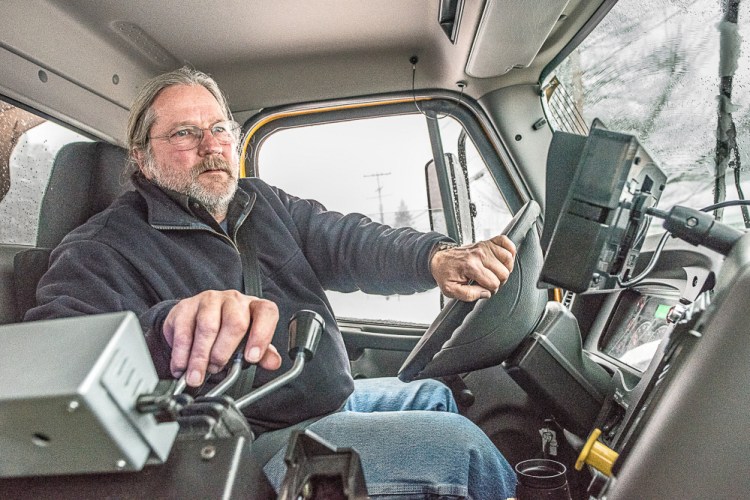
pixel 169 252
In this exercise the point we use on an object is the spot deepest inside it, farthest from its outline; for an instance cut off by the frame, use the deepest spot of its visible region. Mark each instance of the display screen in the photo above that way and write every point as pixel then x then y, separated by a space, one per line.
pixel 637 327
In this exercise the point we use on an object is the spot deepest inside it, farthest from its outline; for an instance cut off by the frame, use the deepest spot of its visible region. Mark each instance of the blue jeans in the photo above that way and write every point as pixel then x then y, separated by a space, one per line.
pixel 390 394
pixel 412 443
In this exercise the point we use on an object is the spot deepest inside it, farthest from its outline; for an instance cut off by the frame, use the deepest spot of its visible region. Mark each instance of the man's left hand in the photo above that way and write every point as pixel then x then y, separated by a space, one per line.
pixel 487 263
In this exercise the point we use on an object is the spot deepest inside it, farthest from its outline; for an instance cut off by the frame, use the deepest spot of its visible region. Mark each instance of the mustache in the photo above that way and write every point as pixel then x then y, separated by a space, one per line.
pixel 213 162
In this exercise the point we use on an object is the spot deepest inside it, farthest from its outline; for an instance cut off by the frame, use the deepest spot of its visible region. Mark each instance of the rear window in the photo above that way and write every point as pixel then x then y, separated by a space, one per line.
pixel 28 146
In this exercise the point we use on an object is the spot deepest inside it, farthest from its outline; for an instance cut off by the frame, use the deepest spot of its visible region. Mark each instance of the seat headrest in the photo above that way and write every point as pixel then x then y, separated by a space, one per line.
pixel 86 178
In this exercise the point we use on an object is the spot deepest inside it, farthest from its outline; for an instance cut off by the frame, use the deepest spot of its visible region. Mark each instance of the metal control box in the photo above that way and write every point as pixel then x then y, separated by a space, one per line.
pixel 68 397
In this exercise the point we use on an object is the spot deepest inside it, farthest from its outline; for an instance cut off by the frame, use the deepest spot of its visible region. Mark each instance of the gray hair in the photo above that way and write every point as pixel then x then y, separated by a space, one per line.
pixel 142 115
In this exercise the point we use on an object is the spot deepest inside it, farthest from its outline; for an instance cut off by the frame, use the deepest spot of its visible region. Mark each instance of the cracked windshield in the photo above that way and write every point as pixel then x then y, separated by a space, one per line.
pixel 674 73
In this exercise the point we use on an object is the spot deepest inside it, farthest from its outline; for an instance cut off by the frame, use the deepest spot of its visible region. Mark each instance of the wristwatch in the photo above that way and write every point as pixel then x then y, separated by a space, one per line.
pixel 443 245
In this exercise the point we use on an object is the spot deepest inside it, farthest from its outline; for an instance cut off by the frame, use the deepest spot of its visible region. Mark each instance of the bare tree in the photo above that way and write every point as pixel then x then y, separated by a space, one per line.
pixel 403 216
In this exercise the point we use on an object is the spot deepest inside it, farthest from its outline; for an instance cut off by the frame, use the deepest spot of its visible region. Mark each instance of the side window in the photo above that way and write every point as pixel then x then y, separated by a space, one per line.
pixel 28 145
pixel 370 166
pixel 490 213
pixel 374 166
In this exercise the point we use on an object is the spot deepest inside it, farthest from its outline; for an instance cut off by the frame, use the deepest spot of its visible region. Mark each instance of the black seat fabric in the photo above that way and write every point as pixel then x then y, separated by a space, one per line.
pixel 28 268
pixel 86 178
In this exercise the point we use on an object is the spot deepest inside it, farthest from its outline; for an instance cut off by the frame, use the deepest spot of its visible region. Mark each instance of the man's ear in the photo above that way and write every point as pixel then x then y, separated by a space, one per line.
pixel 139 156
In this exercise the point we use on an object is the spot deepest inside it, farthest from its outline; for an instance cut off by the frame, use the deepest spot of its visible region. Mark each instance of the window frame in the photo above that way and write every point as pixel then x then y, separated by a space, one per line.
pixel 466 111
pixel 463 109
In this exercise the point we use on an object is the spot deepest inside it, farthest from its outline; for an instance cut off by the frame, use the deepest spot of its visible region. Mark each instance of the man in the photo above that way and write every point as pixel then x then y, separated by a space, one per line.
pixel 170 252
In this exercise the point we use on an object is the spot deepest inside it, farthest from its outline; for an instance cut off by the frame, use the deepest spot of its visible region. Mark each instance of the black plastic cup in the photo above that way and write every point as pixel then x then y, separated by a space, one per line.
pixel 541 479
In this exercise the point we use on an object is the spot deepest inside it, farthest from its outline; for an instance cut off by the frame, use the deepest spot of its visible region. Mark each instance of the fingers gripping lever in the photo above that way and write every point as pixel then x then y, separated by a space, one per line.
pixel 168 402
pixel 234 371
pixel 229 380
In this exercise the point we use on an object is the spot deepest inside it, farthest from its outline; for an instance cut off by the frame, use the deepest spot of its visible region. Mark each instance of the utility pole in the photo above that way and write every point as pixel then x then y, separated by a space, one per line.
pixel 380 191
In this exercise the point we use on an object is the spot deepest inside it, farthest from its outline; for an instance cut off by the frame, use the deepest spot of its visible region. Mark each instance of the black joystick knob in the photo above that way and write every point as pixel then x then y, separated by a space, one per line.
pixel 305 329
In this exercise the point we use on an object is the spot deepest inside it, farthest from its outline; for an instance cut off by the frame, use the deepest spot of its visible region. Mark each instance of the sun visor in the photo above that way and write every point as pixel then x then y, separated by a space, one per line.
pixel 510 35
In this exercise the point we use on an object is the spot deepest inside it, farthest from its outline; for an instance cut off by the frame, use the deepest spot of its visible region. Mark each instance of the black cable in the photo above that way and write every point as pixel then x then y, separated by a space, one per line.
pixel 723 204
pixel 729 203
pixel 462 85
pixel 740 194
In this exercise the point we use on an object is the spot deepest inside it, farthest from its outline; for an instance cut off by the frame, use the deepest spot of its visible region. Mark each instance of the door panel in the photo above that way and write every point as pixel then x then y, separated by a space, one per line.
pixel 378 350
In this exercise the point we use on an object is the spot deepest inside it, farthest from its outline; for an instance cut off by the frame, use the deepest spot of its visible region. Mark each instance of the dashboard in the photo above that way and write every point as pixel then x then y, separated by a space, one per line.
pixel 647 312
pixel 637 327
pixel 643 336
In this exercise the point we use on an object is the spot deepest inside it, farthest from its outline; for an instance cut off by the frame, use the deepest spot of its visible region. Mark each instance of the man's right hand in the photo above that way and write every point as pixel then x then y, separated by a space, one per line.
pixel 204 331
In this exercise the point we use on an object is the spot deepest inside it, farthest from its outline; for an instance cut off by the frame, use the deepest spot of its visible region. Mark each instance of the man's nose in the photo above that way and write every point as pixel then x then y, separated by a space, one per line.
pixel 209 144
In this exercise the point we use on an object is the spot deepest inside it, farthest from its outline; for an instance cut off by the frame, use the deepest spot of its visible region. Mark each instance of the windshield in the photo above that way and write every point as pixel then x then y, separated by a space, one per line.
pixel 653 68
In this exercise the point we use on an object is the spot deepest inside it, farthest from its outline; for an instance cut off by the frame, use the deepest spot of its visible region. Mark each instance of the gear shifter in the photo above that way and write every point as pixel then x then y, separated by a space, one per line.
pixel 305 329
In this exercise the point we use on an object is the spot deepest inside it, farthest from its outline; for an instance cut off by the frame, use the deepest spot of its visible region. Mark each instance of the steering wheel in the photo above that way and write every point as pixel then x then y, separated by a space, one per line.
pixel 468 336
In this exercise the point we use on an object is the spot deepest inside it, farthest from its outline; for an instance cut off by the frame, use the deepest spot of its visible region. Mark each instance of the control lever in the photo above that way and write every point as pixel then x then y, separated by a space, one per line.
pixel 698 228
pixel 305 329
pixel 234 370
pixel 213 414
pixel 168 403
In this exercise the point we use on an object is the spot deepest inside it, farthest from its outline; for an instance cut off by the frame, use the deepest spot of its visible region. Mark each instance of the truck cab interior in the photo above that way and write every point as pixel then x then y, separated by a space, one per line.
pixel 608 139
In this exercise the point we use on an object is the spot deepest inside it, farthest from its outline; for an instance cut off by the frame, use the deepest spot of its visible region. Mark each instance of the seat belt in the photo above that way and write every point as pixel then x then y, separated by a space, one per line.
pixel 252 285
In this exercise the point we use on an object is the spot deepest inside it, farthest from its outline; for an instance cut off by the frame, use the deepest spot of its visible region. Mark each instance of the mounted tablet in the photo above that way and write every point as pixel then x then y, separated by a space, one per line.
pixel 599 218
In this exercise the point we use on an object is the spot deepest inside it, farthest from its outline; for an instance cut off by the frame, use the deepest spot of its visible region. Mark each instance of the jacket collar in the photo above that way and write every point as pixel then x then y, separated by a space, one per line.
pixel 169 209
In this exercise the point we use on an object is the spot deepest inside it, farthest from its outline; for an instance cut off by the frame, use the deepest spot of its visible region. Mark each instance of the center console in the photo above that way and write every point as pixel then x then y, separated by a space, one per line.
pixel 653 393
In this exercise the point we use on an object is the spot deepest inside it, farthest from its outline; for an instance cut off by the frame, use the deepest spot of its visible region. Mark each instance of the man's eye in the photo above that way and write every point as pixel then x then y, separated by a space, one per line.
pixel 183 133
pixel 219 129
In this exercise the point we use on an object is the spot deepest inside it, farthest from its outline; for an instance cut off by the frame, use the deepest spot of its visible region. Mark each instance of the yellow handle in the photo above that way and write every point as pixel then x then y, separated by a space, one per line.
pixel 596 454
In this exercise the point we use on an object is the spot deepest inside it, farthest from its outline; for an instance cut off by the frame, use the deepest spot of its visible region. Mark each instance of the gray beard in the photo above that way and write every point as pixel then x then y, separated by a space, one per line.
pixel 217 203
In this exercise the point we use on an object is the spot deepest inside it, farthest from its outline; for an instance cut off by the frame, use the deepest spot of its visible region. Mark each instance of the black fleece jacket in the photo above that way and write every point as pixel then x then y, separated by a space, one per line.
pixel 152 248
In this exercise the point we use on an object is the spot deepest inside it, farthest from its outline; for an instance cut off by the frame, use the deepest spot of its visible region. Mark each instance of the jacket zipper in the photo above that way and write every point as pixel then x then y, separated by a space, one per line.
pixel 207 229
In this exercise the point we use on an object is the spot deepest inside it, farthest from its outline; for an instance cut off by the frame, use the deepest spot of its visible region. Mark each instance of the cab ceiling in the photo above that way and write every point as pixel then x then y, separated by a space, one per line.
pixel 268 53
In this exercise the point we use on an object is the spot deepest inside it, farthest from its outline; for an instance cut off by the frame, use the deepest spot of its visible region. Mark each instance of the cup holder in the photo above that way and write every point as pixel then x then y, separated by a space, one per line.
pixel 541 479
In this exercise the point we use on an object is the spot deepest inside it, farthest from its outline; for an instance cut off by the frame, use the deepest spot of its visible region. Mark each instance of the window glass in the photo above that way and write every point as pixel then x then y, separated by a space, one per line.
pixel 371 166
pixel 652 69
pixel 491 214
pixel 376 166
pixel 28 145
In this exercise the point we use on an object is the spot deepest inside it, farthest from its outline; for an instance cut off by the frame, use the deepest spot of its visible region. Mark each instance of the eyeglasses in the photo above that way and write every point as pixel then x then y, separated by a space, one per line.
pixel 187 137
